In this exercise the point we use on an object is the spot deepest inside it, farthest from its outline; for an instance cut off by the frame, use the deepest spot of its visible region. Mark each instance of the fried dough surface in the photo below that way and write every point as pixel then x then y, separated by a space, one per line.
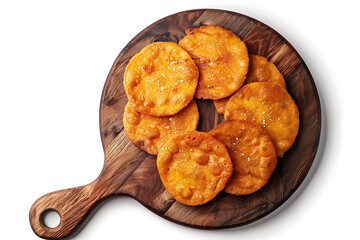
pixel 220 104
pixel 150 133
pixel 161 79
pixel 252 154
pixel 194 167
pixel 260 70
pixel 222 59
pixel 270 106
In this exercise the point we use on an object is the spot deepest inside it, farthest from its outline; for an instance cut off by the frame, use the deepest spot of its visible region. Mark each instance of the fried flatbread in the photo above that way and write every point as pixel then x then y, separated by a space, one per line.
pixel 194 167
pixel 270 106
pixel 161 79
pixel 220 104
pixel 150 133
pixel 260 70
pixel 222 59
pixel 252 154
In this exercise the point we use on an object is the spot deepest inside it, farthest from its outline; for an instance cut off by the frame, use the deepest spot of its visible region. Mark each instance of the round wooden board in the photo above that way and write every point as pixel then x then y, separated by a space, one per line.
pixel 130 171
pixel 225 210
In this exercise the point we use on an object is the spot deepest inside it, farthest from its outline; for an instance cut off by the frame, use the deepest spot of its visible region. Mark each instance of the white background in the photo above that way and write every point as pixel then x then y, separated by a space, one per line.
pixel 54 59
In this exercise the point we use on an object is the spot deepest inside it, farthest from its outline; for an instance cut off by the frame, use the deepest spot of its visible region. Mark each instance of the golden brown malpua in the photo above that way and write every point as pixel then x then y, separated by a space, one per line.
pixel 222 59
pixel 252 154
pixel 161 79
pixel 194 167
pixel 270 106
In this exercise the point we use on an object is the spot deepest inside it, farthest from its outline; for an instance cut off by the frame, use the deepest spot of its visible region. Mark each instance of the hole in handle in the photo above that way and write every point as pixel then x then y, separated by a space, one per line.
pixel 50 218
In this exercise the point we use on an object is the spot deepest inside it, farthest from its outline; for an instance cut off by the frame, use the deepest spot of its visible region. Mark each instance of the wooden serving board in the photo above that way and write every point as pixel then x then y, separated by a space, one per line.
pixel 130 171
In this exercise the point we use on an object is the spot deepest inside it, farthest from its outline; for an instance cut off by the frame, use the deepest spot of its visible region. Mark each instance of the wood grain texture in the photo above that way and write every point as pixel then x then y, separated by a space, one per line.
pixel 130 171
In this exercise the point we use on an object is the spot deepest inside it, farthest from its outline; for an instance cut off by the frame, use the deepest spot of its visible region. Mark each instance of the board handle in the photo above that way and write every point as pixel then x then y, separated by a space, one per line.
pixel 74 204
pixel 71 204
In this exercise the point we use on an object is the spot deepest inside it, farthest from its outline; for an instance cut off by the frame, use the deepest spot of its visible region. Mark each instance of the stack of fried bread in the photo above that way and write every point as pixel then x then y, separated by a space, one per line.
pixel 161 117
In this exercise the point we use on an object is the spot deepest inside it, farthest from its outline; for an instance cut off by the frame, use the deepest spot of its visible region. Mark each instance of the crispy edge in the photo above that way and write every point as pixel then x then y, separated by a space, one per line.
pixel 276 77
pixel 220 104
